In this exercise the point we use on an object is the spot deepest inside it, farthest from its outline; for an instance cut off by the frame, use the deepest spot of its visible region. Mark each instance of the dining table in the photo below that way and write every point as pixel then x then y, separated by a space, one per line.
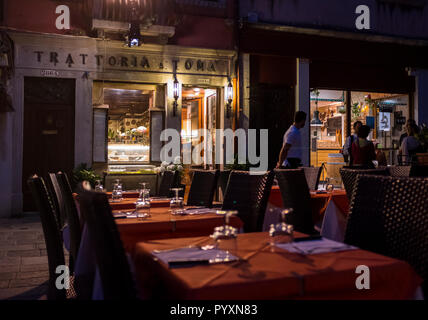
pixel 265 271
pixel 330 211
pixel 162 225
pixel 319 201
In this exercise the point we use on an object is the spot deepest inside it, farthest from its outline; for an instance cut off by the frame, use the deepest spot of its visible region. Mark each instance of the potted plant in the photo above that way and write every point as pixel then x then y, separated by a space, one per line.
pixel 83 173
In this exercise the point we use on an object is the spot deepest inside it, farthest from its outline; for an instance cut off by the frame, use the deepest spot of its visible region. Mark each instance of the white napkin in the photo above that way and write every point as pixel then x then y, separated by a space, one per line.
pixel 199 211
pixel 315 246
pixel 194 255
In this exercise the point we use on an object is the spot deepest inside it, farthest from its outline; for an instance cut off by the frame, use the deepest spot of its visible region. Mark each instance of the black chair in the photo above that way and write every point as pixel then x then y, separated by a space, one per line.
pixel 248 194
pixel 116 277
pixel 55 193
pixel 399 171
pixel 169 180
pixel 389 215
pixel 312 175
pixel 52 234
pixel 202 189
pixel 349 175
pixel 295 194
pixel 72 215
pixel 418 170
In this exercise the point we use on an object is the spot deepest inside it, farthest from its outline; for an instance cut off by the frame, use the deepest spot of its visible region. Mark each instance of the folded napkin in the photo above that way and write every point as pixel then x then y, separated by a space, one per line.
pixel 198 210
pixel 124 215
pixel 316 246
pixel 193 255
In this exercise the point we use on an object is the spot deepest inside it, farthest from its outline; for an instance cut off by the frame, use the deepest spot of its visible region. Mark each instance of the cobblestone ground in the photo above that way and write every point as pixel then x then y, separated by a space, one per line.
pixel 23 259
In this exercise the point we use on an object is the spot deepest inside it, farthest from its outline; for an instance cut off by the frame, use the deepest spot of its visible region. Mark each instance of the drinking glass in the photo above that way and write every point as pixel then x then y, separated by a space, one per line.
pixel 281 232
pixel 142 190
pixel 117 194
pixel 98 186
pixel 142 206
pixel 225 237
pixel 176 203
pixel 329 184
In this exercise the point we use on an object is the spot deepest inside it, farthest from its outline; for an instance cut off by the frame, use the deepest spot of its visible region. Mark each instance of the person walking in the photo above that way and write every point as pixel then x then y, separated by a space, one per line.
pixel 347 147
pixel 363 150
pixel 410 144
pixel 290 156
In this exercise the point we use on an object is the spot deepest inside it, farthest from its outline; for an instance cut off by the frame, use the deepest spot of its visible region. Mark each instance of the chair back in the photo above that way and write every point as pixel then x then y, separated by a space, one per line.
pixel 295 194
pixel 115 272
pixel 168 181
pixel 57 199
pixel 349 175
pixel 52 235
pixel 389 215
pixel 248 194
pixel 202 189
pixel 223 179
pixel 312 175
pixel 72 214
pixel 399 171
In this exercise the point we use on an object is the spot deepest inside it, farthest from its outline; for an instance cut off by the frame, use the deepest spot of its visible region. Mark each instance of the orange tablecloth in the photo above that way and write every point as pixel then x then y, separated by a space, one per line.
pixel 271 275
pixel 160 226
pixel 319 201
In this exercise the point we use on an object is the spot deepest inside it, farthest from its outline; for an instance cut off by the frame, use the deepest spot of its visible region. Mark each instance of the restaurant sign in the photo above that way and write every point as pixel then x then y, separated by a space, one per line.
pixel 125 61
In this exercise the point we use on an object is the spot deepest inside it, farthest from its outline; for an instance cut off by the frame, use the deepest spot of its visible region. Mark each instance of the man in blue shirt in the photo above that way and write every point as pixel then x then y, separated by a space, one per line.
pixel 290 156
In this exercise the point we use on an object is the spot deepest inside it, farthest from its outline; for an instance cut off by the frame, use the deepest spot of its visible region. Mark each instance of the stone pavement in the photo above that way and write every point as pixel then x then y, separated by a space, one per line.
pixel 23 258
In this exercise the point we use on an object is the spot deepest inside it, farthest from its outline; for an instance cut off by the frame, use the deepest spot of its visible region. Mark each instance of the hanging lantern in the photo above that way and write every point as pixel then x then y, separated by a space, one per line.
pixel 134 38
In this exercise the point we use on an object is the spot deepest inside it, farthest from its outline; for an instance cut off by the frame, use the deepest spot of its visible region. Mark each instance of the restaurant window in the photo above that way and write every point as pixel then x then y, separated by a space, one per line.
pixel 384 113
pixel 327 125
pixel 128 123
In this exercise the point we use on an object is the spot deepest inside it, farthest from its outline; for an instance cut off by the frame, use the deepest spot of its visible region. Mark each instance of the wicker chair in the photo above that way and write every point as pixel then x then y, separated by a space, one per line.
pixel 312 175
pixel 169 180
pixel 389 215
pixel 248 194
pixel 116 277
pixel 52 234
pixel 349 175
pixel 223 179
pixel 73 219
pixel 399 171
pixel 295 194
pixel 55 193
pixel 202 189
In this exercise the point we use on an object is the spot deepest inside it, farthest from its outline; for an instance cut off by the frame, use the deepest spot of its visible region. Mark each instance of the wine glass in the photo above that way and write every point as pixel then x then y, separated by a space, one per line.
pixel 142 206
pixel 282 232
pixel 225 237
pixel 176 203
pixel 98 186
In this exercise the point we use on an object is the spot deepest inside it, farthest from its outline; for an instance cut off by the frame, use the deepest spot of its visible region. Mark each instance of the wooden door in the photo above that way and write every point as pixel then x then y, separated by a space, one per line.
pixel 48 130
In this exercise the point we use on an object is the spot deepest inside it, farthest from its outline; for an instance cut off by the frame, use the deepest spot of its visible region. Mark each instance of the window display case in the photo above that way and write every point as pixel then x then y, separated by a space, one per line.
pixel 128 153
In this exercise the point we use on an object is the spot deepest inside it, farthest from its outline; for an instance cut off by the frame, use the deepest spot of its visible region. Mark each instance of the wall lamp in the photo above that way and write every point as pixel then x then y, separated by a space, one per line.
pixel 229 98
